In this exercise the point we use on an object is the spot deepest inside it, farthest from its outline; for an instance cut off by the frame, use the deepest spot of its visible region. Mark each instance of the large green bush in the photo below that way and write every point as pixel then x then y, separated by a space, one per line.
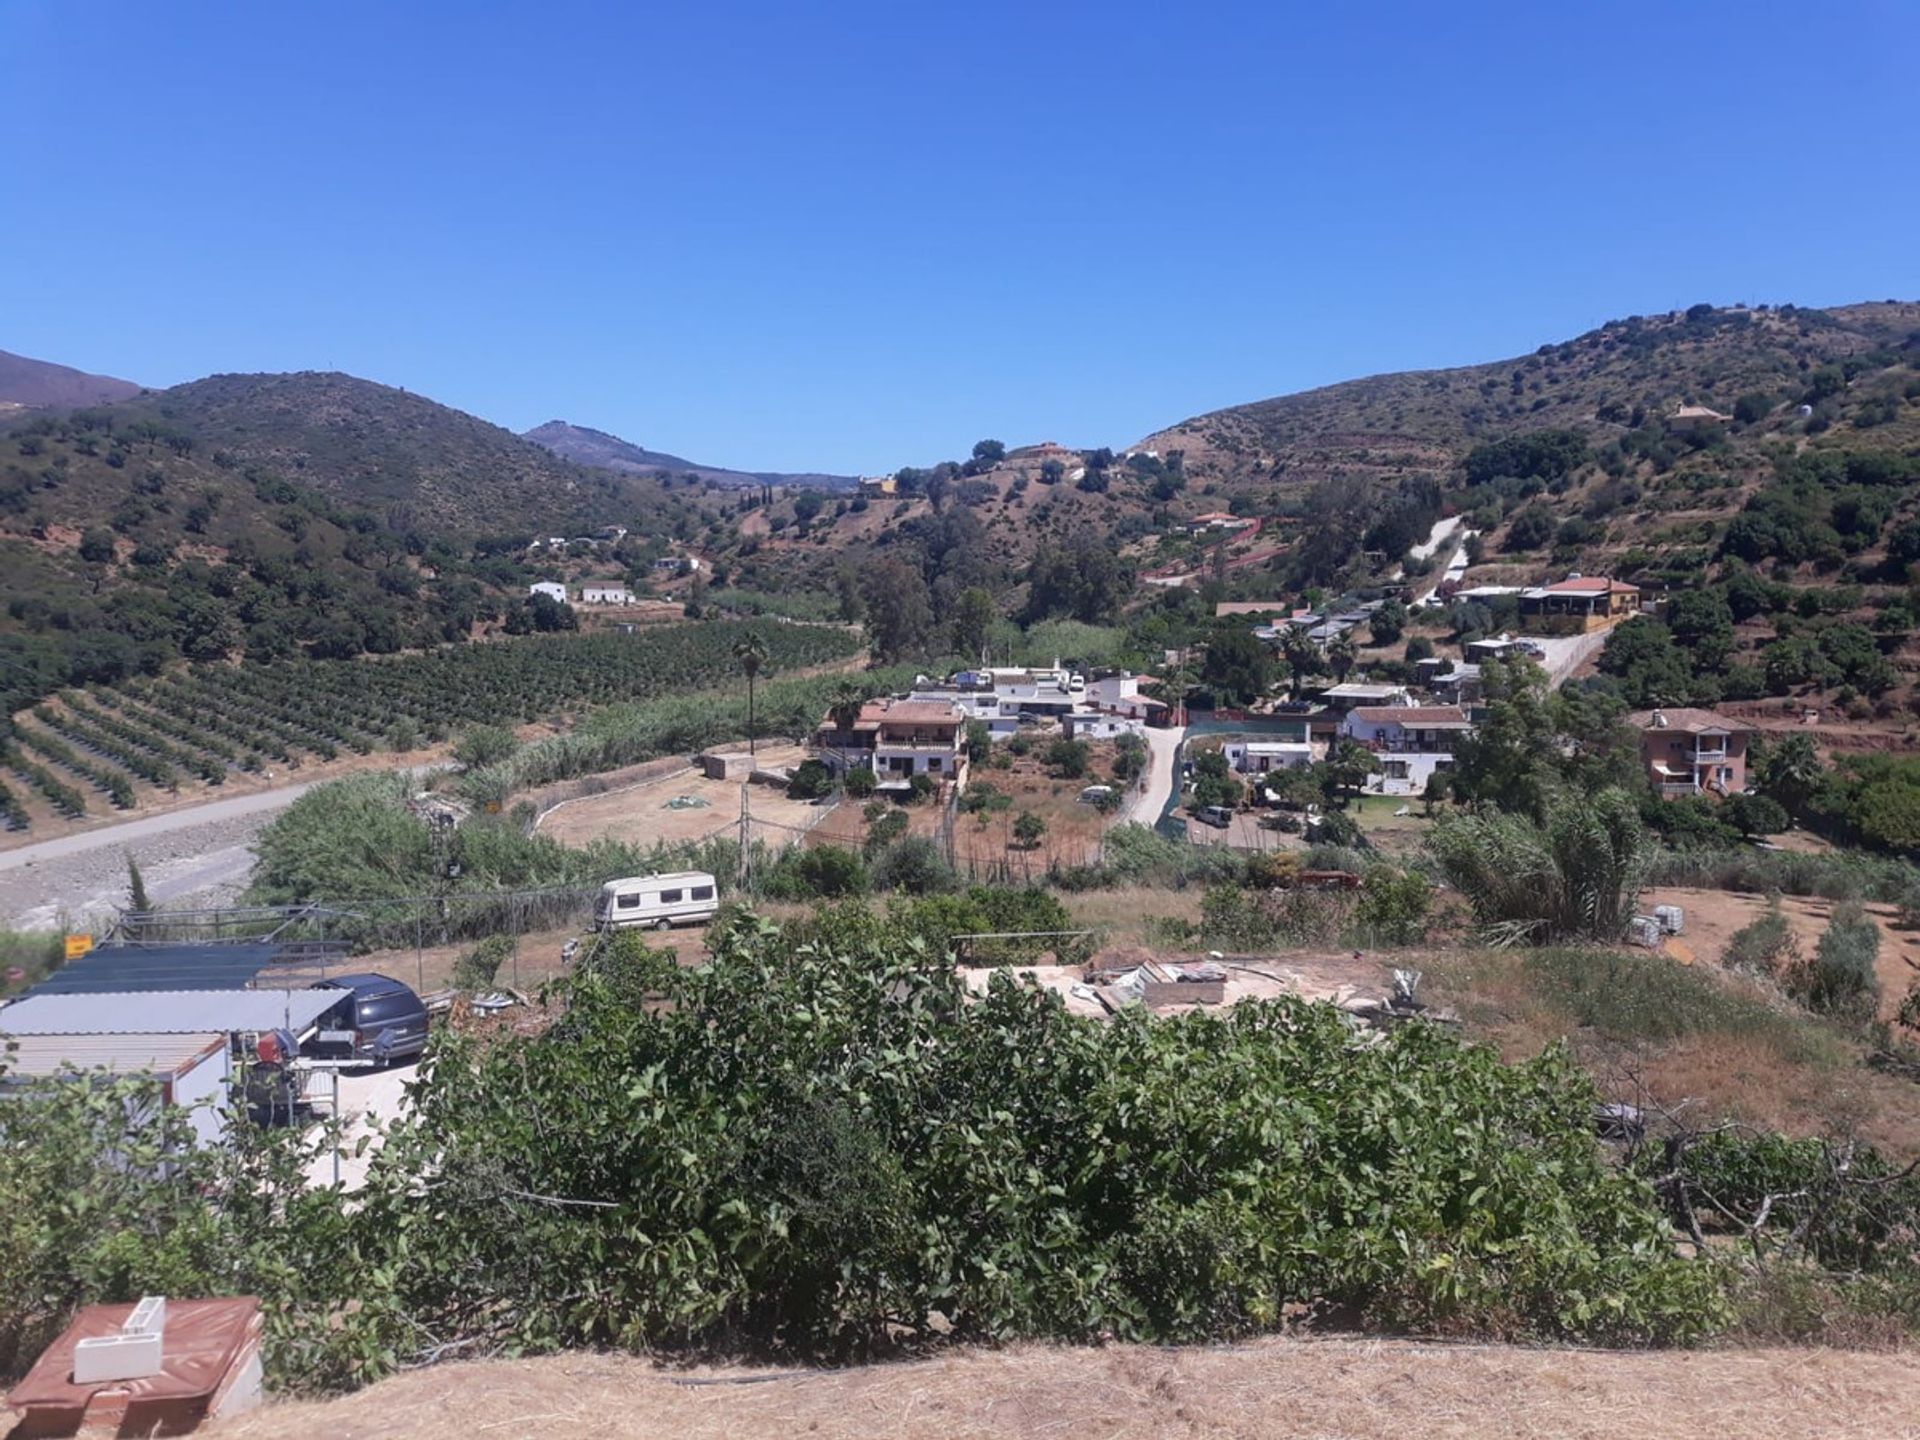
pixel 1576 876
pixel 818 1148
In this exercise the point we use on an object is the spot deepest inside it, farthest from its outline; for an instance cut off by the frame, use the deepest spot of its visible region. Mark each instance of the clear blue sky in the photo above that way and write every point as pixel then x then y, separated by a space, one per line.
pixel 852 236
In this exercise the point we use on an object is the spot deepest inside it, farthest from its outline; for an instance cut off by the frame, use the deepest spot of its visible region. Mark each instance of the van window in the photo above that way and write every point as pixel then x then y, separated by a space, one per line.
pixel 395 1005
pixel 627 902
pixel 703 892
pixel 671 897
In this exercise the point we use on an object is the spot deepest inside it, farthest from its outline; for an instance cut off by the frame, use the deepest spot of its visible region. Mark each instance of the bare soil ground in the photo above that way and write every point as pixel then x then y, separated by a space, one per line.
pixel 1073 830
pixel 639 813
pixel 1347 1388
pixel 1713 916
pixel 536 958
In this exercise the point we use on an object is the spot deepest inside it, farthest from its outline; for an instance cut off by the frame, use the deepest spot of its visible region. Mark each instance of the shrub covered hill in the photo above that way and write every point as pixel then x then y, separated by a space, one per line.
pixel 270 515
pixel 1577 456
pixel 1608 384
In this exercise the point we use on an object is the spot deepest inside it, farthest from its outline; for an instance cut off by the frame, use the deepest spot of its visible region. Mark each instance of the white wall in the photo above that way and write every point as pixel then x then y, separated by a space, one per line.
pixel 203 1090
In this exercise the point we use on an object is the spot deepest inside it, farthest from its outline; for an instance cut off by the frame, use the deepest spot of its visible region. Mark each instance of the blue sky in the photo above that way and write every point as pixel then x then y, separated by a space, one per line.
pixel 852 237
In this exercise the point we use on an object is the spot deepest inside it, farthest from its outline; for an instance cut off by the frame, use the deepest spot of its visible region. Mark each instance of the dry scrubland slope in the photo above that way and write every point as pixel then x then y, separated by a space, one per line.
pixel 1423 418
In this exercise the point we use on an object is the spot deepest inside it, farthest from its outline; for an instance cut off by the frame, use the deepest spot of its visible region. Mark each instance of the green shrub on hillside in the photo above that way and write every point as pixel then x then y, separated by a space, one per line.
pixel 1839 979
pixel 1577 876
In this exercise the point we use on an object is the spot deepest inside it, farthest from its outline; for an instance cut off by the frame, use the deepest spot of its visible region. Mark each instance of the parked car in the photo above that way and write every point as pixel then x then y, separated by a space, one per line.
pixel 1218 816
pixel 380 1019
pixel 1094 794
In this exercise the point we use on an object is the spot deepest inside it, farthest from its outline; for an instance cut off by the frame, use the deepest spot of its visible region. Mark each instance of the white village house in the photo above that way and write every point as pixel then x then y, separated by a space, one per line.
pixel 1120 695
pixel 1000 697
pixel 605 592
pixel 1411 741
pixel 1263 757
pixel 552 589
pixel 1098 725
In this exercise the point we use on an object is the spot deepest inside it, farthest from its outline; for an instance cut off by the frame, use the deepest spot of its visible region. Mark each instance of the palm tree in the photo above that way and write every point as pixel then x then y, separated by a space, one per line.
pixel 1790 771
pixel 1341 657
pixel 849 698
pixel 1301 654
pixel 751 652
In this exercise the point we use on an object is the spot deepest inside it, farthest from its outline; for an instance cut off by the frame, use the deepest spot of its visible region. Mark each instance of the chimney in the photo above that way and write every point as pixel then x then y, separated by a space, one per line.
pixel 1659 719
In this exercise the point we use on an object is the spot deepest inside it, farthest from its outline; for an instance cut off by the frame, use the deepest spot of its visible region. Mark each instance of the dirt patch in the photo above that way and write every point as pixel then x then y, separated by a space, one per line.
pixel 1269 1388
pixel 644 813
pixel 983 843
pixel 1714 916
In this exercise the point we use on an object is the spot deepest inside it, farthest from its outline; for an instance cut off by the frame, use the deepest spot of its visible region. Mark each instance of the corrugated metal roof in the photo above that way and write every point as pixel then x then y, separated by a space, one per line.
pixel 36 1056
pixel 168 1012
pixel 161 967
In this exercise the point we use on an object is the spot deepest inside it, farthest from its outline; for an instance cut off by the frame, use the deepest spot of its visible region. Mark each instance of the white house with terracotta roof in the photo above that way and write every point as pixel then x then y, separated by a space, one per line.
pixel 1412 742
pixel 1698 419
pixel 897 740
pixel 1120 695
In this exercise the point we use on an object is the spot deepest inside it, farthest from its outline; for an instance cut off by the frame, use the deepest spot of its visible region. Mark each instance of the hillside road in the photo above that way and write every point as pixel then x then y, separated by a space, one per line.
pixel 1144 806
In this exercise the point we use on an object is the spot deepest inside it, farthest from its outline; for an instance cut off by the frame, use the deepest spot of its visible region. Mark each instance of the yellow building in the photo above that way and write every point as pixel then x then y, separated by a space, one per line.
pixel 1578 605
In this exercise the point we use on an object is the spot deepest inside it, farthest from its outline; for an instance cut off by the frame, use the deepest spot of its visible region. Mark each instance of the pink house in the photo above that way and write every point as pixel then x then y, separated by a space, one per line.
pixel 1692 752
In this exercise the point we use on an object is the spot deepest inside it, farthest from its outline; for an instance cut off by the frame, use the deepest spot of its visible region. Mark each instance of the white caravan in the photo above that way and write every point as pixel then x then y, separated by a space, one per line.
pixel 686 897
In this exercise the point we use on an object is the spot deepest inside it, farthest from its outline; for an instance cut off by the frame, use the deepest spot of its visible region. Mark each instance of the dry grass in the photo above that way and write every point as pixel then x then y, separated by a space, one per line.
pixel 1714 916
pixel 1757 1059
pixel 1323 1388
pixel 1126 914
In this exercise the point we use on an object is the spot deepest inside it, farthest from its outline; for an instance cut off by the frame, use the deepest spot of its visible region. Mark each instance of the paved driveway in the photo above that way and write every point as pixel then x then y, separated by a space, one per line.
pixel 1143 806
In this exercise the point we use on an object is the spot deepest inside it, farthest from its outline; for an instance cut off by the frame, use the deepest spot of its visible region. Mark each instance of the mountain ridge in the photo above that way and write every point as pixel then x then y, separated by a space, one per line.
pixel 587 446
pixel 29 384
pixel 1703 354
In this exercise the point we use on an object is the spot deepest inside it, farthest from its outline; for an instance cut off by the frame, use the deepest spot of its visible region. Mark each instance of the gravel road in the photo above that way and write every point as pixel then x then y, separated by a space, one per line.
pixel 201 861
pixel 201 855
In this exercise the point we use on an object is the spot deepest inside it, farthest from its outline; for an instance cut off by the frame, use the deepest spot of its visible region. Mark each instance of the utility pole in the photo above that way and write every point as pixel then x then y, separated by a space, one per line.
pixel 746 836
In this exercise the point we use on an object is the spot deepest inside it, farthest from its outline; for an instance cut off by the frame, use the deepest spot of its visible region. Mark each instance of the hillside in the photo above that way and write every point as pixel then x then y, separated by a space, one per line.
pixel 41 384
pixel 279 514
pixel 587 446
pixel 418 464
pixel 1392 424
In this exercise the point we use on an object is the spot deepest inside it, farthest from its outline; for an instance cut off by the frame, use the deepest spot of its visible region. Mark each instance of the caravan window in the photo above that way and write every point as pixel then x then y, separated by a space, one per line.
pixel 629 901
pixel 671 897
pixel 703 892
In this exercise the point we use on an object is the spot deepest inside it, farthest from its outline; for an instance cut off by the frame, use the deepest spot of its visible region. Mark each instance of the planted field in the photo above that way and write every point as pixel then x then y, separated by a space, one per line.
pixel 198 725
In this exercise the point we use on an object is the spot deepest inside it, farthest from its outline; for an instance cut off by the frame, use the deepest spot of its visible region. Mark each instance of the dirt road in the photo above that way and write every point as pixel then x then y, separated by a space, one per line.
pixel 1144 806
pixel 202 853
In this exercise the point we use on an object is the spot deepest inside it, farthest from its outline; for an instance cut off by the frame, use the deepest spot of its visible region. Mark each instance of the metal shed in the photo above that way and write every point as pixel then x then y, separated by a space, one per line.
pixel 194 1070
pixel 161 967
pixel 170 1012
